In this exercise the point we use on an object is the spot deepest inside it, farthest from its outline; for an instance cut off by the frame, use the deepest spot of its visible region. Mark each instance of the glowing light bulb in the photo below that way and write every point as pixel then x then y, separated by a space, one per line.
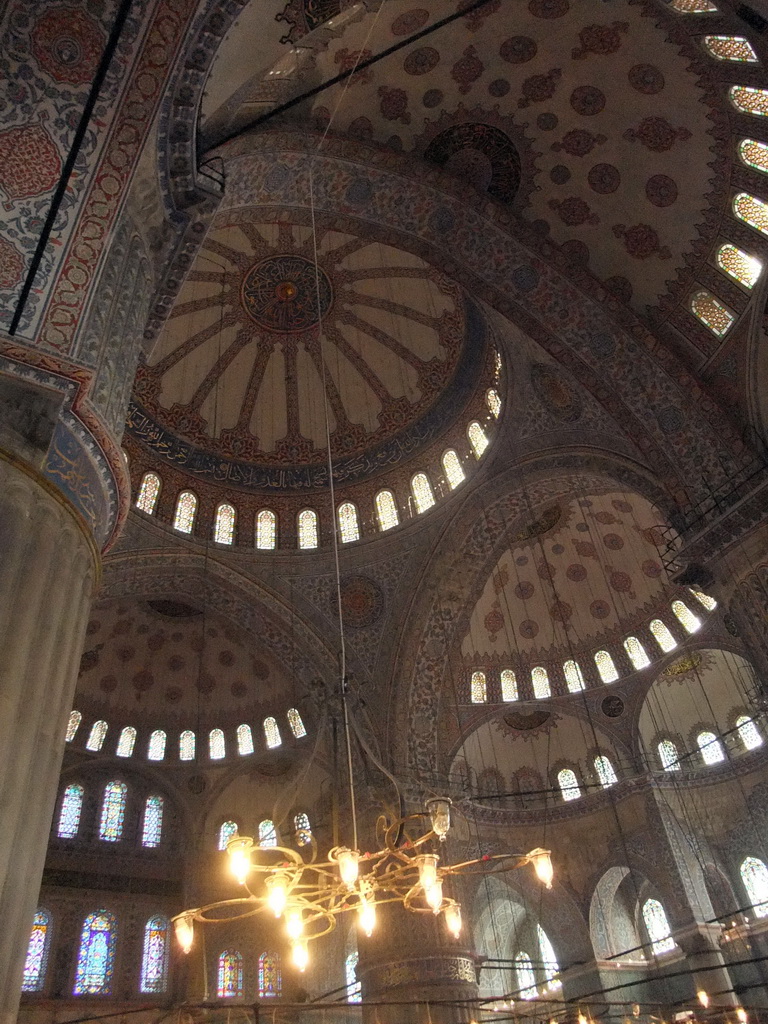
pixel 453 919
pixel 427 865
pixel 239 853
pixel 277 895
pixel 294 924
pixel 542 865
pixel 582 1018
pixel 366 916
pixel 185 932
pixel 439 808
pixel 300 955
pixel 635 1009
pixel 703 998
pixel 741 1013
pixel 434 896
pixel 349 866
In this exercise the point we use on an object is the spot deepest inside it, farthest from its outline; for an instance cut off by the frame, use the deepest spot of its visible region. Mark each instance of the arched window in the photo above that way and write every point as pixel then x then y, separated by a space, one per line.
pixel 154 958
pixel 97 736
pixel 349 526
pixel 754 875
pixel 569 784
pixel 493 402
pixel 244 740
pixel 548 958
pixel 452 468
pixel 749 100
pixel 508 685
pixel 226 831
pixel 37 952
pixel 606 667
pixel 478 690
pixel 540 682
pixel 186 508
pixel 730 48
pixel 187 745
pixel 216 745
pixel 637 653
pixel 751 210
pixel 477 438
pixel 668 755
pixel 71 809
pixel 739 265
pixel 113 812
pixel 230 975
pixel 75 718
pixel 754 154
pixel 149 490
pixel 606 773
pixel 662 636
pixel 267 833
pixel 156 748
pixel 303 829
pixel 307 529
pixel 704 599
pixel 526 979
pixel 712 313
pixel 573 677
pixel 96 956
pixel 711 748
pixel 748 733
pixel 152 828
pixel 657 926
pixel 295 723
pixel 126 742
pixel 266 530
pixel 272 733
pixel 270 981
pixel 386 510
pixel 685 617
pixel 693 6
pixel 224 526
pixel 421 489
pixel 354 988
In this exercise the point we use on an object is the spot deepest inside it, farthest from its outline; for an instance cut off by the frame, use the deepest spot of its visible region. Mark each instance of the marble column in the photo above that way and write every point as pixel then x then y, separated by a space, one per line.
pixel 701 944
pixel 48 565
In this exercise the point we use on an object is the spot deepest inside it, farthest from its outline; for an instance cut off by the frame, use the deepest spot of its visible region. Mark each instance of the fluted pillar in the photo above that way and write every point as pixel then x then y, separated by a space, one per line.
pixel 48 565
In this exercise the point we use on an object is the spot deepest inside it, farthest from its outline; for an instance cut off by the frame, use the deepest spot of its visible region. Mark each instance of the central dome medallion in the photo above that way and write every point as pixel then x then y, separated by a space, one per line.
pixel 284 293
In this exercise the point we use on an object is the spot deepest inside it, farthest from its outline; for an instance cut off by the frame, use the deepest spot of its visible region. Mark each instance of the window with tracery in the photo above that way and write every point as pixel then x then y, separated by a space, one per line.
pixel 569 784
pixel 749 100
pixel 266 530
pixel 712 313
pixel 704 599
pixel 272 733
pixel 113 812
pixel 244 739
pixel 526 979
pixel 754 154
pixel 230 975
pixel 156 748
pixel 540 682
pixel 267 833
pixel 548 957
pixel 36 961
pixel 662 636
pixel 154 958
pixel 685 617
pixel 754 875
pixel 493 402
pixel 71 809
pixel 307 529
pixel 606 667
pixel 187 745
pixel 730 48
pixel 97 736
pixel 752 211
pixel 637 653
pixel 216 745
pixel 711 748
pixel 606 773
pixel 421 489
pixel 508 685
pixel 149 491
pixel 657 926
pixel 270 980
pixel 477 438
pixel 737 264
pixel 126 742
pixel 224 526
pixel 354 988
pixel 73 724
pixel 186 509
pixel 748 732
pixel 296 724
pixel 573 677
pixel 302 829
pixel 152 826
pixel 668 755
pixel 386 510
pixel 349 526
pixel 478 688
pixel 452 468
pixel 96 956
pixel 226 831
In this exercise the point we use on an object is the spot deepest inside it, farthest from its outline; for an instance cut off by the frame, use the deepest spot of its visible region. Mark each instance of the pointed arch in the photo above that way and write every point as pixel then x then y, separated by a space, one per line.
pixel 149 492
pixel 573 678
pixel 156 748
pixel 754 875
pixel 224 524
pixel 187 746
pixel 227 830
pixel 266 530
pixel 454 471
pixel 97 736
pixel 216 744
pixel 349 524
pixel 230 975
pixel 423 495
pixel 710 747
pixel 186 510
pixel 71 809
pixel 605 771
pixel 606 667
pixel 749 734
pixel 657 926
pixel 155 956
pixel 267 833
pixel 270 976
pixel 126 742
pixel 113 811
pixel 387 515
pixel 307 526
pixel 152 826
pixel 272 733
pixel 508 685
pixel 569 784
pixel 295 723
pixel 73 724
pixel 478 689
pixel 244 740
pixel 540 682
pixel 96 955
pixel 668 755
pixel 36 962
pixel 637 653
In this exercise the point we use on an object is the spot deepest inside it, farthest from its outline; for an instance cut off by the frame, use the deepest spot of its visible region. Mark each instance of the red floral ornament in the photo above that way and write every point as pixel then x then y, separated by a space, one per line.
pixel 68 44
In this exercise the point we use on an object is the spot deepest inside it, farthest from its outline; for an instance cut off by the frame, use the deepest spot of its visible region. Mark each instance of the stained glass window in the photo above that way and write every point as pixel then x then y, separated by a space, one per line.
pixel 186 507
pixel 227 830
pixel 421 489
pixel 730 48
pixel 711 748
pixel 37 953
pixel 754 875
pixel 149 490
pixel 307 529
pixel 754 154
pixel 749 100
pixel 230 975
pixel 187 745
pixel 493 402
pixel 548 957
pixel 685 617
pixel 454 473
pixel 663 637
pixel 693 6
pixel 477 438
pixel 349 527
pixel 526 979
pixel 156 748
pixel 354 988
pixel 96 957
pixel 97 736
pixel 712 313
pixel 704 599
pixel 266 530
pixel 303 829
pixel 73 724
pixel 270 982
pixel 272 733
pixel 154 960
pixel 735 262
pixel 749 733
pixel 478 690
pixel 540 681
pixel 267 833
pixel 606 667
pixel 386 510
pixel 296 723
pixel 126 742
pixel 216 745
pixel 244 739
pixel 508 685
pixel 224 528
pixel 657 926
pixel 573 677
pixel 152 829
pixel 606 773
pixel 71 809
pixel 569 784
pixel 668 755
pixel 113 811
pixel 751 210
pixel 636 652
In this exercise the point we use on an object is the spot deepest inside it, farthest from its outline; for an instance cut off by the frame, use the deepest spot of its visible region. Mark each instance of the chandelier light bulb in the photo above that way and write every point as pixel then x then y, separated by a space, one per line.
pixel 349 866
pixel 439 809
pixel 239 853
pixel 434 896
pixel 277 895
pixel 741 1013
pixel 185 932
pixel 294 924
pixel 542 865
pixel 300 955
pixel 366 916
pixel 703 998
pixel 427 865
pixel 453 919
pixel 582 1018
